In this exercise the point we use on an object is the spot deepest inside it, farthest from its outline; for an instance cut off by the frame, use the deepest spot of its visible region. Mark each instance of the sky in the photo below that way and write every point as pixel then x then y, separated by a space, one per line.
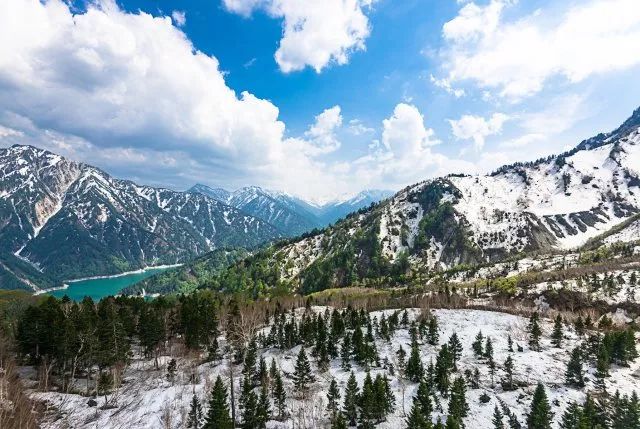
pixel 317 98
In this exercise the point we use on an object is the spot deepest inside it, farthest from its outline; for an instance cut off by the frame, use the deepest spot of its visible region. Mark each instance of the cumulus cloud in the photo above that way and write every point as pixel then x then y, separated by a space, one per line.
pixel 358 128
pixel 321 136
pixel 315 33
pixel 477 128
pixel 179 17
pixel 518 56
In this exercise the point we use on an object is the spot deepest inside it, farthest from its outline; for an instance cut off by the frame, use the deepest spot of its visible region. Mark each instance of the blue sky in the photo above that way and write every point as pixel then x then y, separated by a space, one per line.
pixel 341 95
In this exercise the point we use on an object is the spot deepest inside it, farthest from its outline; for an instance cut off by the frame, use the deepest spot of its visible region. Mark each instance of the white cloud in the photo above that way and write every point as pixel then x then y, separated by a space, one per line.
pixel 9 132
pixel 446 85
pixel 179 17
pixel 315 33
pixel 404 133
pixel 358 128
pixel 321 137
pixel 523 141
pixel 518 56
pixel 477 128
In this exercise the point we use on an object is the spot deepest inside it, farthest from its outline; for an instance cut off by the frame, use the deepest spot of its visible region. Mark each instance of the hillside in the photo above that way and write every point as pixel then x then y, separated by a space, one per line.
pixel 65 219
pixel 552 205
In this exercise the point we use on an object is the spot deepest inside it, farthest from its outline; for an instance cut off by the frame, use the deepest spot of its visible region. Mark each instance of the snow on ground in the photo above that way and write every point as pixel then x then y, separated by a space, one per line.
pixel 629 234
pixel 622 290
pixel 147 396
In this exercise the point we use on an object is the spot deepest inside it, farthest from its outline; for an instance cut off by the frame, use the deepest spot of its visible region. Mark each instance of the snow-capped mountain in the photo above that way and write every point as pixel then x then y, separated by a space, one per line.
pixel 291 215
pixel 591 193
pixel 68 219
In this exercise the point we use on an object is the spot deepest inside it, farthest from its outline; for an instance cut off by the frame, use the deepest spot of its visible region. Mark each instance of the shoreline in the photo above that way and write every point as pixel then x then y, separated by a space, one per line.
pixel 66 283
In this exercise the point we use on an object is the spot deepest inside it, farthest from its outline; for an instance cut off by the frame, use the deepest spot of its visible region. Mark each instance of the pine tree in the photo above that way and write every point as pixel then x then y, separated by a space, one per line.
pixel 432 334
pixel 279 395
pixel 302 376
pixel 458 407
pixel 452 423
pixel 574 376
pixel 414 370
pixel 572 417
pixel 497 418
pixel 540 415
pixel 333 396
pixel 345 353
pixel 263 410
pixel 509 344
pixel 194 418
pixel 218 413
pixel 351 400
pixel 172 368
pixel 367 403
pixel 250 411
pixel 535 332
pixel 507 383
pixel 579 325
pixel 477 345
pixel 455 347
pixel 557 334
pixel 339 422
pixel 263 372
pixel 416 420
pixel 250 360
pixel 402 356
pixel 443 369
pixel 423 399
pixel 602 367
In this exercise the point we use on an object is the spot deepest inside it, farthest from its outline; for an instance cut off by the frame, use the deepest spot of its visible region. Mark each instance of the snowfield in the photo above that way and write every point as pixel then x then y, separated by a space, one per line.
pixel 148 400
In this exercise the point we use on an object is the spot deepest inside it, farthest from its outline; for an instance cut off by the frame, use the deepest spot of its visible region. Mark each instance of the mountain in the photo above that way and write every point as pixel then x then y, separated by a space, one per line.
pixel 335 210
pixel 65 219
pixel 590 194
pixel 289 214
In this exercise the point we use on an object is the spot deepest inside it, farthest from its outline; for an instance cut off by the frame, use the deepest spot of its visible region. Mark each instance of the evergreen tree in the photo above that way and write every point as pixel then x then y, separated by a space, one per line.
pixel 416 420
pixel 455 347
pixel 333 396
pixel 367 403
pixel 452 423
pixel 279 395
pixel 602 367
pixel 557 334
pixel 432 333
pixel 497 418
pixel 250 360
pixel 339 422
pixel 477 345
pixel 351 400
pixel 302 376
pixel 507 383
pixel 423 399
pixel 579 325
pixel 443 369
pixel 194 418
pixel 458 407
pixel 509 344
pixel 218 413
pixel 540 415
pixel 574 376
pixel 345 353
pixel 572 417
pixel 535 332
pixel 263 409
pixel 402 358
pixel 250 411
pixel 414 370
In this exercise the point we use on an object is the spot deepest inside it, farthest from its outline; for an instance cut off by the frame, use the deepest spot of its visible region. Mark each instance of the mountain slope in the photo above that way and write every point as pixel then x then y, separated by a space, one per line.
pixel 557 203
pixel 289 214
pixel 68 219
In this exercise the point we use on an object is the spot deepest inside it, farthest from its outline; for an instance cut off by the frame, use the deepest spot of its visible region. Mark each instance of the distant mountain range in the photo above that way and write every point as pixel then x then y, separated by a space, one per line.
pixel 291 215
pixel 61 219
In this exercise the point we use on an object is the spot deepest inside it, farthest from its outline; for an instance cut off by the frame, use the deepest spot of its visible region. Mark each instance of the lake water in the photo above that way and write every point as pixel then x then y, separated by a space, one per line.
pixel 99 288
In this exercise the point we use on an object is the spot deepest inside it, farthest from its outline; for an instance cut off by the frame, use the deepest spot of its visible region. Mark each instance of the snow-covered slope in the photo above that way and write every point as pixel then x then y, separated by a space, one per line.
pixel 557 203
pixel 69 219
pixel 291 215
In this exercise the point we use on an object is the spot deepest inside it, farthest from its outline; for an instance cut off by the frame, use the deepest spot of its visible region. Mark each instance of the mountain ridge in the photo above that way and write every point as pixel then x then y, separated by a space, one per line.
pixel 69 219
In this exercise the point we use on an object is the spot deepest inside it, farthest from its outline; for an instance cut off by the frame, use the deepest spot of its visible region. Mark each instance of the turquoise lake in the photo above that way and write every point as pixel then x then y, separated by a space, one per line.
pixel 99 288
